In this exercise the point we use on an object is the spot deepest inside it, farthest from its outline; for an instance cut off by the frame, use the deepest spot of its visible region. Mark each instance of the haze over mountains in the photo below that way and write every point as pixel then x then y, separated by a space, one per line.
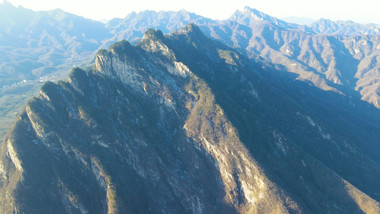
pixel 181 123
pixel 39 46
pixel 247 115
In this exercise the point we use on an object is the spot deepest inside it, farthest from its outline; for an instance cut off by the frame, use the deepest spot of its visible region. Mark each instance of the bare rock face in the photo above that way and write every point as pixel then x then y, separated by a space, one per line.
pixel 179 124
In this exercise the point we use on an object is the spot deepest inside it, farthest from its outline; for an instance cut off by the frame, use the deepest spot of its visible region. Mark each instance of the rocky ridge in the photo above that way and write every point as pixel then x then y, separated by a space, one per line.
pixel 40 46
pixel 181 123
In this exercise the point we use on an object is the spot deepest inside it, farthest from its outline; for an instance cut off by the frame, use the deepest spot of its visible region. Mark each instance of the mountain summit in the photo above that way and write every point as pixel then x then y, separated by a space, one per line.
pixel 180 123
pixel 250 16
pixel 44 45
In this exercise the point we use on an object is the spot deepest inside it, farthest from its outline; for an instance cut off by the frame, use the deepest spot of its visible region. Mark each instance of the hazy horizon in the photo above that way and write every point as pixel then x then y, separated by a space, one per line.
pixel 365 12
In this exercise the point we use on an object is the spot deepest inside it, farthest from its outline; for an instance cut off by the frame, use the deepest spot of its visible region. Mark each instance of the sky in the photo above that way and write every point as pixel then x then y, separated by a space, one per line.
pixel 363 11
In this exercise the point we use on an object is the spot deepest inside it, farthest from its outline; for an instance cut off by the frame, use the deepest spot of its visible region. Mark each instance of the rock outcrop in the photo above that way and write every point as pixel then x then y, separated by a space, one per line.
pixel 180 124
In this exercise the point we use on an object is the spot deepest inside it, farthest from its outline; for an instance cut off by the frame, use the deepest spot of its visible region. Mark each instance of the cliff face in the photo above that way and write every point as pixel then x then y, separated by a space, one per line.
pixel 178 124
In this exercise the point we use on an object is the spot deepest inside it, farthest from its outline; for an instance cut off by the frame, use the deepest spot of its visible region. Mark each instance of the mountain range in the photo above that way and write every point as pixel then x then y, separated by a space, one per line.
pixel 184 124
pixel 40 46
pixel 247 115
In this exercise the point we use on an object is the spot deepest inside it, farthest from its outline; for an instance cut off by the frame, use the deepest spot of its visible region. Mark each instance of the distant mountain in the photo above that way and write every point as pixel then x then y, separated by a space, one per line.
pixel 183 121
pixel 134 25
pixel 37 46
pixel 40 46
pixel 347 28
pixel 340 63
pixel 250 17
pixel 43 40
pixel 319 59
pixel 183 124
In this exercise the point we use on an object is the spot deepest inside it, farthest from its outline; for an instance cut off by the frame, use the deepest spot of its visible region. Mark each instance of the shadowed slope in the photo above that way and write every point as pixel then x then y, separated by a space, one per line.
pixel 178 123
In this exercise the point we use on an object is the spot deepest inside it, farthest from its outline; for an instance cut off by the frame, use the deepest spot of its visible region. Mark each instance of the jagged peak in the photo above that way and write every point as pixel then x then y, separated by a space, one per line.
pixel 250 16
pixel 142 13
pixel 183 11
pixel 154 12
pixel 154 41
pixel 191 28
pixel 191 34
pixel 192 31
pixel 120 46
pixel 251 12
pixel 152 34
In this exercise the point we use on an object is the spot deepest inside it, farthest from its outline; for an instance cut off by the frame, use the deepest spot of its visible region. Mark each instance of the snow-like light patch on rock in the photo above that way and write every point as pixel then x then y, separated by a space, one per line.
pixel 288 51
pixel 113 67
pixel 248 193
pixel 44 95
pixel 312 123
pixel 254 92
pixel 98 139
pixel 36 126
pixel 2 171
pixel 13 156
pixel 279 142
pixel 179 69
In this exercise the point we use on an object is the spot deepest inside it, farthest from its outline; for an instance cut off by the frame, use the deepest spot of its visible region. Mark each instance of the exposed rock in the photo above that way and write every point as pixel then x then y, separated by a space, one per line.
pixel 184 124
